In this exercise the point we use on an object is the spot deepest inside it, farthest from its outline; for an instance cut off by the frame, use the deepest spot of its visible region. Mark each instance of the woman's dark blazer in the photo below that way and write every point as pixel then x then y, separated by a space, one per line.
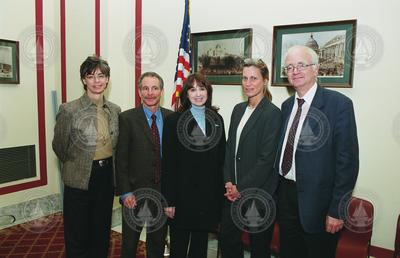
pixel 257 148
pixel 192 181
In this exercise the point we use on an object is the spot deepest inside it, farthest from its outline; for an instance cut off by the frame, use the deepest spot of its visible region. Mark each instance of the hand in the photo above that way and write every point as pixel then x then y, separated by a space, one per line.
pixel 170 212
pixel 130 202
pixel 228 187
pixel 232 194
pixel 228 190
pixel 333 225
pixel 235 194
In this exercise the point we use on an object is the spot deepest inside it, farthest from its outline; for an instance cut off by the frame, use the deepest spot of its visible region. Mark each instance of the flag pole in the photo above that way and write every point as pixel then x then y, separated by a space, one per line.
pixel 183 66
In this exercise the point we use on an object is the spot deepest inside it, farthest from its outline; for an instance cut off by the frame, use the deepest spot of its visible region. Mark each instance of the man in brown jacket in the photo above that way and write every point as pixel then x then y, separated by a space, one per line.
pixel 138 163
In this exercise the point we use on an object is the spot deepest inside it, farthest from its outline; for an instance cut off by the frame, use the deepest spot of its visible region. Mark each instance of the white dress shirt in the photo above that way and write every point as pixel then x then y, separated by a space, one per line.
pixel 308 98
pixel 243 121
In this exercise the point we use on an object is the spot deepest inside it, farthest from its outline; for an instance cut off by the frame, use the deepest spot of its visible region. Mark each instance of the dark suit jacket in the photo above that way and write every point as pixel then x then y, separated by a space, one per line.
pixel 326 169
pixel 257 148
pixel 135 156
pixel 192 180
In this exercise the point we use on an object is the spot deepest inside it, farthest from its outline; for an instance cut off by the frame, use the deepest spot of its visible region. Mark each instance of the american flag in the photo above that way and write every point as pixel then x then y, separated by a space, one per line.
pixel 184 57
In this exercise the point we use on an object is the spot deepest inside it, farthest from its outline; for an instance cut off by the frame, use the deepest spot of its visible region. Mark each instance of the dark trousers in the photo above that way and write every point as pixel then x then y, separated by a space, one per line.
pixel 188 243
pixel 231 243
pixel 294 241
pixel 155 241
pixel 87 215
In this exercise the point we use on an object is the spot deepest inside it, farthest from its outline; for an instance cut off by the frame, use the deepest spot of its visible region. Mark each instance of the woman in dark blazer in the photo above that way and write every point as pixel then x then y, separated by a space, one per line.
pixel 193 156
pixel 249 159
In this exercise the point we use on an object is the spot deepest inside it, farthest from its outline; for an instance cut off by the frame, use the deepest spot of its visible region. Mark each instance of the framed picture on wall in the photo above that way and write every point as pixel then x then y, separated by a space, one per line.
pixel 220 54
pixel 9 61
pixel 334 42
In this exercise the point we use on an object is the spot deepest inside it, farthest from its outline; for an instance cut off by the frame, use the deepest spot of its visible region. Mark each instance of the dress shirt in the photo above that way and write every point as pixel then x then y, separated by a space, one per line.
pixel 159 121
pixel 308 98
pixel 247 114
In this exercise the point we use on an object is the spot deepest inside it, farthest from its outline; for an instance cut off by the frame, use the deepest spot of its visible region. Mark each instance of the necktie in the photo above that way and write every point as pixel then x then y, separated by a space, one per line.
pixel 288 154
pixel 156 139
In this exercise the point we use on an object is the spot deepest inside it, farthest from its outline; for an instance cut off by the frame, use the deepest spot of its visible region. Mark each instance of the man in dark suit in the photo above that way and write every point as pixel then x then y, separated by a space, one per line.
pixel 317 160
pixel 138 161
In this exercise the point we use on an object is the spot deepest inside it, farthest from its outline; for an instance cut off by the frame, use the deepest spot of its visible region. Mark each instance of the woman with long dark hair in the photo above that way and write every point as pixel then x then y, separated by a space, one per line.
pixel 193 155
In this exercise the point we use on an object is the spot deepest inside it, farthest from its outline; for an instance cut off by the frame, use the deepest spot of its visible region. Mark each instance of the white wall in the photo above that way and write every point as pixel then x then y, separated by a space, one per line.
pixel 374 89
pixel 80 42
pixel 117 39
pixel 18 103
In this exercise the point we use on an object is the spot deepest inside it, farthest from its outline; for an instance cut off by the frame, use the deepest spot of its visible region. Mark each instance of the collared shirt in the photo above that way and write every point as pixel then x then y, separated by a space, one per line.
pixel 159 121
pixel 308 98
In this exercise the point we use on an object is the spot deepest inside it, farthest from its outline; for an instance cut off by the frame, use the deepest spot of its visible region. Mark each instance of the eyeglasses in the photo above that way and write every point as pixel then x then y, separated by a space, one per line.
pixel 300 67
pixel 92 77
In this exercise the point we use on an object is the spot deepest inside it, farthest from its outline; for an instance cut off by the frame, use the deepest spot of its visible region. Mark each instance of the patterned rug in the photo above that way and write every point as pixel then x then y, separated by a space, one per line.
pixel 44 238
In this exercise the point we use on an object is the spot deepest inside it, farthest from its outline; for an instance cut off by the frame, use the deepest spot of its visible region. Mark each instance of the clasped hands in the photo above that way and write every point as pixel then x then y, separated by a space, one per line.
pixel 231 192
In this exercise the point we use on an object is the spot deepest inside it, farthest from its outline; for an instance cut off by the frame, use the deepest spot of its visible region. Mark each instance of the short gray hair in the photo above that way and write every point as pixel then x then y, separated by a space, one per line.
pixel 311 52
pixel 151 74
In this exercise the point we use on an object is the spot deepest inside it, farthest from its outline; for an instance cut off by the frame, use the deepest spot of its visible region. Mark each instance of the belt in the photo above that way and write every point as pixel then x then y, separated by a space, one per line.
pixel 284 179
pixel 103 162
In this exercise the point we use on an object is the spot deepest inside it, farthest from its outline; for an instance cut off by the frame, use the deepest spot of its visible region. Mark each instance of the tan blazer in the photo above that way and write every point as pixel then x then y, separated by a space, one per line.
pixel 75 135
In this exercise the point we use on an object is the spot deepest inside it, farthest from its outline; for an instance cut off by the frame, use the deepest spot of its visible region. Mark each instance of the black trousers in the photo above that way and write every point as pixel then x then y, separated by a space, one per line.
pixel 155 241
pixel 294 241
pixel 188 243
pixel 87 215
pixel 231 243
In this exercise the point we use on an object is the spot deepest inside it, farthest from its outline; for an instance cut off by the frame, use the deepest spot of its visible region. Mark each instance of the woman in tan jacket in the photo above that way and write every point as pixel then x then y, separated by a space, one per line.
pixel 85 136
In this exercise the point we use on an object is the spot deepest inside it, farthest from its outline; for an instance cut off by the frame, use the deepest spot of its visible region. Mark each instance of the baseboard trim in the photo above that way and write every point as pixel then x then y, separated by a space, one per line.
pixel 34 208
pixel 379 252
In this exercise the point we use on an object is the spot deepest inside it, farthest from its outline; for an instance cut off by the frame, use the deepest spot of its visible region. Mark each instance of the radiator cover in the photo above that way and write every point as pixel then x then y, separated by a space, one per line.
pixel 17 163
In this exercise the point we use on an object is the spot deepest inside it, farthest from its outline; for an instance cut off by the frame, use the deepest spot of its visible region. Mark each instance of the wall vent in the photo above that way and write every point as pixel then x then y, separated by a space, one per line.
pixel 17 163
